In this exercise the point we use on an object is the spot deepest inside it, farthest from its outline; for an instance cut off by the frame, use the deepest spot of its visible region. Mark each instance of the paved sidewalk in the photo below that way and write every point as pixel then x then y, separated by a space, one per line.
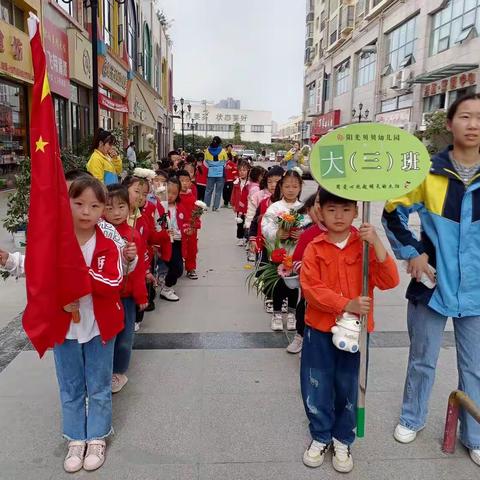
pixel 212 396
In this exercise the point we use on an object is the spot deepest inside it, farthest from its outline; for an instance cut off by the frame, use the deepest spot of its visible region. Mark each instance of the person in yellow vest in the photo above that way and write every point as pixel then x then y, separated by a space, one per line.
pixel 101 164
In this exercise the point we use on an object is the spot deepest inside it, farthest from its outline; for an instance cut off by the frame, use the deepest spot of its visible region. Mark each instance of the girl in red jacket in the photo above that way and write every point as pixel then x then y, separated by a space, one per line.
pixel 177 216
pixel 134 290
pixel 240 200
pixel 231 174
pixel 84 360
pixel 201 175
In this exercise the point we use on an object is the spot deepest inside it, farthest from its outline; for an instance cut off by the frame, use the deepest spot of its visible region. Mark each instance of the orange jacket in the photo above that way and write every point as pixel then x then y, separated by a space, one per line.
pixel 330 277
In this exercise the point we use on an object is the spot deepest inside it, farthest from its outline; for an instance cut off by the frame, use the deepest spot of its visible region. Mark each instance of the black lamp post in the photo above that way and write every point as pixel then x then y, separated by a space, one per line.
pixel 193 126
pixel 182 114
pixel 360 115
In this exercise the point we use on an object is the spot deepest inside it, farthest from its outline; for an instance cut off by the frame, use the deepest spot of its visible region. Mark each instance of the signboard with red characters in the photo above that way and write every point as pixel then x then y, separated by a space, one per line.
pixel 324 123
pixel 56 49
pixel 462 80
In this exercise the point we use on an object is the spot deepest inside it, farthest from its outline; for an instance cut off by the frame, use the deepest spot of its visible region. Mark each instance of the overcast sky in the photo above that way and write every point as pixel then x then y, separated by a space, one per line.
pixel 251 50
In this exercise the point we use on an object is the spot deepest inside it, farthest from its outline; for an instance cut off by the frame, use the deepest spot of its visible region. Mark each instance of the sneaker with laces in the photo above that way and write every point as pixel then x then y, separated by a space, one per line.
pixel 403 434
pixel 296 344
pixel 251 257
pixel 285 306
pixel 95 456
pixel 315 454
pixel 268 306
pixel 291 321
pixel 167 293
pixel 240 242
pixel 119 380
pixel 277 322
pixel 192 275
pixel 74 459
pixel 342 459
pixel 475 456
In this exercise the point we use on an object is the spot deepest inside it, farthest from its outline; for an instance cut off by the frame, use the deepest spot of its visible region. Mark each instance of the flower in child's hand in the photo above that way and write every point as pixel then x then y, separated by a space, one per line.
pixel 144 173
pixel 287 262
pixel 201 204
pixel 287 217
pixel 278 255
pixel 283 271
pixel 161 189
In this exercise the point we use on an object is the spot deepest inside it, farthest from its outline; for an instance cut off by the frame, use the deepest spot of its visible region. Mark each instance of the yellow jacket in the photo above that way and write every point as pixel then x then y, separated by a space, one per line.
pixel 104 168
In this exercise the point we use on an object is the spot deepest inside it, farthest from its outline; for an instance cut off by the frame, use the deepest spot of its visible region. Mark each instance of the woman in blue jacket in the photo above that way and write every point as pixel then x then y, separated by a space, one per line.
pixel 448 203
pixel 215 159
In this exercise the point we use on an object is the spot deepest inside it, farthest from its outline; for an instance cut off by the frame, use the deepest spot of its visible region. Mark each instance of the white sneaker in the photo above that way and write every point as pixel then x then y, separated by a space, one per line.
pixel 285 306
pixel 296 344
pixel 137 326
pixel 251 257
pixel 74 460
pixel 268 306
pixel 403 434
pixel 277 322
pixel 315 454
pixel 240 242
pixel 118 382
pixel 475 456
pixel 167 293
pixel 291 321
pixel 95 456
pixel 342 460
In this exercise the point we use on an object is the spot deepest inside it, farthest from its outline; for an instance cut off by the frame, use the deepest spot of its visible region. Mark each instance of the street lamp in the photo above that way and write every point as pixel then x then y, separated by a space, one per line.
pixel 193 126
pixel 182 113
pixel 360 116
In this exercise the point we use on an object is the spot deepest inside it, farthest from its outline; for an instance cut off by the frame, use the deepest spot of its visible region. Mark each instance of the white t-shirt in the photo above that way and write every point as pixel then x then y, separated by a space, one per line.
pixel 177 234
pixel 341 245
pixel 87 328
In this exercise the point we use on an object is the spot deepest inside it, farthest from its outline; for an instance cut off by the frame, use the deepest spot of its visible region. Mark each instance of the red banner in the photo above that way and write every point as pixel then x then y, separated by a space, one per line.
pixel 324 123
pixel 110 104
pixel 56 49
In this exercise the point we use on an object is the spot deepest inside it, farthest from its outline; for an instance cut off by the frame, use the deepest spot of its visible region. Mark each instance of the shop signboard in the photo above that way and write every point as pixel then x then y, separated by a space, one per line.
pixel 15 55
pixel 56 49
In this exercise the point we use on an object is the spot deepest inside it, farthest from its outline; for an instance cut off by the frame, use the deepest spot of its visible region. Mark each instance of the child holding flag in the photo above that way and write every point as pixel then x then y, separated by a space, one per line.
pixel 331 284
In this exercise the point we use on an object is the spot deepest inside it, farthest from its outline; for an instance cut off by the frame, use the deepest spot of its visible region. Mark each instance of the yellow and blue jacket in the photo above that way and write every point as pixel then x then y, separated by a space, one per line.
pixel 449 212
pixel 104 168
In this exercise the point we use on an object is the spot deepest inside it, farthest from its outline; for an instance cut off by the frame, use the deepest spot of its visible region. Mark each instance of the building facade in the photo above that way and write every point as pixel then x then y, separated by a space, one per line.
pixel 210 120
pixel 290 130
pixel 390 61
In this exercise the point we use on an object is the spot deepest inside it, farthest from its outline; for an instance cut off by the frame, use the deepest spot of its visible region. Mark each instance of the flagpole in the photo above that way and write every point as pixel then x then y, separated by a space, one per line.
pixel 362 379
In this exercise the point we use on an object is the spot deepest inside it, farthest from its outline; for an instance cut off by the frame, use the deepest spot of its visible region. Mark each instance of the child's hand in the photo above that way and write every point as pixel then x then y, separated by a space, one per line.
pixel 252 247
pixel 72 307
pixel 150 278
pixel 142 306
pixel 282 234
pixel 360 305
pixel 130 251
pixel 3 257
pixel 368 233
pixel 295 233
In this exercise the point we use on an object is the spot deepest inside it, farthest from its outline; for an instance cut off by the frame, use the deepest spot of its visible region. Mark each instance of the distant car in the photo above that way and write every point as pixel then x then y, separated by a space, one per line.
pixel 271 156
pixel 249 154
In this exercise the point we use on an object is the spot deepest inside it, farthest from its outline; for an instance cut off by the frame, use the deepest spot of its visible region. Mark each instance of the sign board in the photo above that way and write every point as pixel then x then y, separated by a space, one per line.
pixel 324 123
pixel 369 162
pixel 56 48
pixel 462 80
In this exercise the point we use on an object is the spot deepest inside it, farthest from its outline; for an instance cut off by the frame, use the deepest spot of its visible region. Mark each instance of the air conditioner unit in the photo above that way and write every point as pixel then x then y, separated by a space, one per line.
pixel 423 126
pixel 347 21
pixel 395 80
pixel 405 79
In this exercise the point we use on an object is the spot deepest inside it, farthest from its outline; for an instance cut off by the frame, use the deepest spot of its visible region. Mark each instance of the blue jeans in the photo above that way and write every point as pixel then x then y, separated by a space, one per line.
pixel 85 370
pixel 425 328
pixel 217 184
pixel 124 340
pixel 329 383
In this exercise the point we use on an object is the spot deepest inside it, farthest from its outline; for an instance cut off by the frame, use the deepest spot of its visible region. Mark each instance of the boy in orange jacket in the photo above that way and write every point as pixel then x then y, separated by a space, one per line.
pixel 331 280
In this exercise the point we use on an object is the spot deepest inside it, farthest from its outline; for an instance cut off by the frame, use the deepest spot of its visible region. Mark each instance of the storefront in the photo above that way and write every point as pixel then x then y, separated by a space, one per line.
pixel 80 62
pixel 16 76
pixel 323 124
pixel 143 109
pixel 397 118
pixel 113 93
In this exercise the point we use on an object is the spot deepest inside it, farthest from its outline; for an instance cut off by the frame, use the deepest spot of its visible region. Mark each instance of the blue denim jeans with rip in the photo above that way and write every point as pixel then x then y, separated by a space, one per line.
pixel 85 370
pixel 329 384
pixel 425 328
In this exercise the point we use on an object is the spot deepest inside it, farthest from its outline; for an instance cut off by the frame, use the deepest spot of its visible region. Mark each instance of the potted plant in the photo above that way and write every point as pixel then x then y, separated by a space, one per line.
pixel 16 219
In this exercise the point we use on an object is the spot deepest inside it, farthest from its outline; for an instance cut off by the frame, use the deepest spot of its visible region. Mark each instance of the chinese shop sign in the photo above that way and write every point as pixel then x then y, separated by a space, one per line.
pixel 369 161
pixel 455 82
pixel 56 48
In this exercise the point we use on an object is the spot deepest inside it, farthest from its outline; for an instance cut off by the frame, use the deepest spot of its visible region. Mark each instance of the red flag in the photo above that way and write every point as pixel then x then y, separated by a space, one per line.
pixel 55 268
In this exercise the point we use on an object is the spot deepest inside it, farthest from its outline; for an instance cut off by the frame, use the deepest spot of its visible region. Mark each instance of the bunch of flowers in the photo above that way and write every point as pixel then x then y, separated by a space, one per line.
pixel 198 211
pixel 290 222
pixel 145 173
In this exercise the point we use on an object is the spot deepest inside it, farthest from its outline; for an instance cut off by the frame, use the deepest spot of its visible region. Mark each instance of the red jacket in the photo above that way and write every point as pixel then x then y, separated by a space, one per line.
pixel 134 281
pixel 201 176
pixel 106 276
pixel 155 235
pixel 231 171
pixel 240 197
pixel 182 218
pixel 264 204
pixel 187 200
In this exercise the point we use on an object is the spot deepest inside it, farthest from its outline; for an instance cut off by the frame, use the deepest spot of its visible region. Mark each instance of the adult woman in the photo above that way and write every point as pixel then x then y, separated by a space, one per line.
pixel 294 156
pixel 104 163
pixel 215 159
pixel 448 202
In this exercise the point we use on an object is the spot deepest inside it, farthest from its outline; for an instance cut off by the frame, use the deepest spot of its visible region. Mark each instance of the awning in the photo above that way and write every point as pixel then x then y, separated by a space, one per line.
pixel 445 72
pixel 110 104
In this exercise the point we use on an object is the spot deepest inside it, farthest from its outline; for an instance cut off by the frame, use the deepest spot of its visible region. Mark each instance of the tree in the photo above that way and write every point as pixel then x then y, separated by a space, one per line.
pixel 237 137
pixel 436 136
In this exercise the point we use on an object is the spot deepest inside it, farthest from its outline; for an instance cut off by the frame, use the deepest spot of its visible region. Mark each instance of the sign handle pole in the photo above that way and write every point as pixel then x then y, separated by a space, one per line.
pixel 362 378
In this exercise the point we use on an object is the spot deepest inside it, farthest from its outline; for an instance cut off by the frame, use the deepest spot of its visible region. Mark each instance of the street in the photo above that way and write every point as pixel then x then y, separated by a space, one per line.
pixel 212 394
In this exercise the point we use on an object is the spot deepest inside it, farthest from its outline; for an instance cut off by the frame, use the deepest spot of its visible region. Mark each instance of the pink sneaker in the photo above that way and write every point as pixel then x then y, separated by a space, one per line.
pixel 74 460
pixel 95 456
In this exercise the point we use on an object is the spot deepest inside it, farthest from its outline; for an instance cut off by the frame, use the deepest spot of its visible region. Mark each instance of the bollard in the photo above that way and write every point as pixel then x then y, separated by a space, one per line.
pixel 457 400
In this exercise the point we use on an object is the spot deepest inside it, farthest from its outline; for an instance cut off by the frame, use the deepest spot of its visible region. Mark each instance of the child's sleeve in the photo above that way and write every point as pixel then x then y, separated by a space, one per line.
pixel 140 294
pixel 111 277
pixel 315 291
pixel 253 230
pixel 383 275
pixel 270 224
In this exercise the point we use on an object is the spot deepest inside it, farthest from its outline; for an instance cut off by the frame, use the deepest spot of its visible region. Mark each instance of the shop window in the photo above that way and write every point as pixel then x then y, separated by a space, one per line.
pixel 401 45
pixel 13 125
pixel 60 107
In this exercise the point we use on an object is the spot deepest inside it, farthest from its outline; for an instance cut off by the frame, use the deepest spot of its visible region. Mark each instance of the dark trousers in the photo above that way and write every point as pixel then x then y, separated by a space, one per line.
pixel 300 316
pixel 175 265
pixel 241 227
pixel 201 192
pixel 280 292
pixel 227 192
pixel 329 383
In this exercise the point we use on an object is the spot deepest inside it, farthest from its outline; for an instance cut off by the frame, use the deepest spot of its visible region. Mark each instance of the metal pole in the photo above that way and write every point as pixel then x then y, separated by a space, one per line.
pixel 193 138
pixel 94 6
pixel 183 129
pixel 362 377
